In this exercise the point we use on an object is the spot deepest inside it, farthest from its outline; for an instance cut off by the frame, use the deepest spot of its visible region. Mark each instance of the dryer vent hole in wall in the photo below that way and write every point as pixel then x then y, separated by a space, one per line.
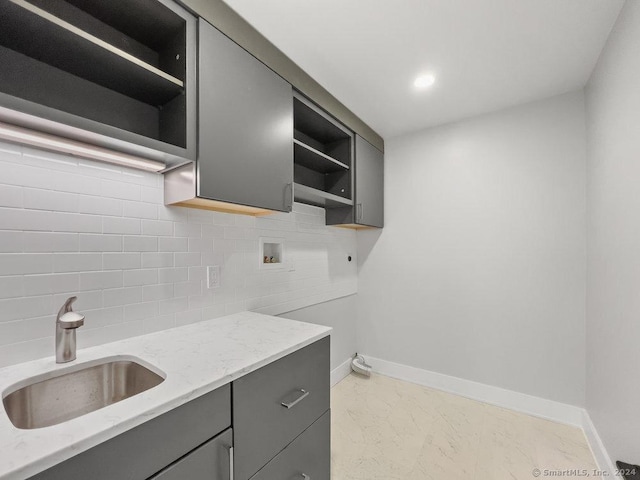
pixel 360 366
pixel 628 471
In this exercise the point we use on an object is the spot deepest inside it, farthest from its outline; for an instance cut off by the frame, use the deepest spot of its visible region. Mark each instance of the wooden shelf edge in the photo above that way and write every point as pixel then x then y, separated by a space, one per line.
pixel 96 41
pixel 224 207
pixel 320 154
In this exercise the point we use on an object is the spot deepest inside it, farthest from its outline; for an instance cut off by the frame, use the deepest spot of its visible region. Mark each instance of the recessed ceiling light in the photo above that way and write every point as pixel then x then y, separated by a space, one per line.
pixel 424 81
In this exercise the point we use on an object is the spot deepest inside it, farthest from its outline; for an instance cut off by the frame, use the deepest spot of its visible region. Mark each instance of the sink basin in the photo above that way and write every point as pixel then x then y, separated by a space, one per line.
pixel 44 401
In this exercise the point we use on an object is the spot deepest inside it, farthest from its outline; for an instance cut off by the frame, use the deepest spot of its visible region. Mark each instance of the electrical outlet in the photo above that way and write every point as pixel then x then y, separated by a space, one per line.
pixel 213 276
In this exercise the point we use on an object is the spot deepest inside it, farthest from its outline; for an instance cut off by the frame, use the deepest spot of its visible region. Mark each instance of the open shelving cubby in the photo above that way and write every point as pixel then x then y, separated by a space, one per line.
pixel 323 152
pixel 111 64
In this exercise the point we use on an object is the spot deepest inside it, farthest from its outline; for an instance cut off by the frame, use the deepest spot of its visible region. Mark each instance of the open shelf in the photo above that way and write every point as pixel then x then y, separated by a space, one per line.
pixel 323 151
pixel 122 73
pixel 45 37
pixel 320 198
pixel 309 157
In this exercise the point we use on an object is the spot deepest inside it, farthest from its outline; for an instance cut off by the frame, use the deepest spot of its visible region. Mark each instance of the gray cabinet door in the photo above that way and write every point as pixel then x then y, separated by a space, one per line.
pixel 144 450
pixel 246 127
pixel 210 461
pixel 276 403
pixel 369 173
pixel 307 457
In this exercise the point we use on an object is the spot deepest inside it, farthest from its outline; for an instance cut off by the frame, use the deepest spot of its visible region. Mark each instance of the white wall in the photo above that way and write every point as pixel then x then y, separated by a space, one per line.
pixel 75 227
pixel 613 309
pixel 340 314
pixel 479 272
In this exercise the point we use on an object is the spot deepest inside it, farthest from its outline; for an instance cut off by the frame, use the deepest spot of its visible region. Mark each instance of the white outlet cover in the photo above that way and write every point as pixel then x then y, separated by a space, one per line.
pixel 213 276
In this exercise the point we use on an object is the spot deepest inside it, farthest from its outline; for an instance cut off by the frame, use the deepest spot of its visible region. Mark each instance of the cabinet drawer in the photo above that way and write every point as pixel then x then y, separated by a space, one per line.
pixel 207 462
pixel 262 425
pixel 309 454
pixel 148 448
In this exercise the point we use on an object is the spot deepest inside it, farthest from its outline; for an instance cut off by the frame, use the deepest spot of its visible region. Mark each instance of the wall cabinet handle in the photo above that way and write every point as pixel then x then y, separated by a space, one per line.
pixel 304 395
pixel 288 197
pixel 359 212
pixel 306 477
pixel 231 475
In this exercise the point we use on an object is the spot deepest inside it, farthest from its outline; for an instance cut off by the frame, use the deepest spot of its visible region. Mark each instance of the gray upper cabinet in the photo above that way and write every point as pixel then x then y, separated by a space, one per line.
pixel 245 127
pixel 119 75
pixel 369 204
pixel 368 208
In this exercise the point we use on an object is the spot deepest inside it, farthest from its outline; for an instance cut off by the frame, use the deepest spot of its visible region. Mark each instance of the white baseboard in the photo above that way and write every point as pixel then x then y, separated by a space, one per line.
pixel 521 402
pixel 539 407
pixel 597 447
pixel 341 371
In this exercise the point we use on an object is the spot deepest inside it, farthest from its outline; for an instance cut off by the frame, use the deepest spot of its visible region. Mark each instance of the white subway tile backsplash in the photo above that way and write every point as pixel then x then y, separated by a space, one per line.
pixel 25 263
pixel 100 280
pixel 12 286
pixel 51 283
pixel 122 261
pixel 140 210
pixel 157 292
pixel 10 241
pixel 157 227
pixel 140 277
pixel 152 195
pixel 100 243
pixel 192 230
pixel 19 219
pixel 100 205
pixel 122 296
pixel 118 189
pixel 173 275
pixel 76 227
pixel 140 244
pixel 183 259
pixel 89 300
pixel 139 311
pixel 186 289
pixel 11 196
pixel 76 262
pixel 157 260
pixel 128 226
pixel 75 222
pixel 173 244
pixel 49 200
pixel 173 305
pixel 49 242
pixel 204 244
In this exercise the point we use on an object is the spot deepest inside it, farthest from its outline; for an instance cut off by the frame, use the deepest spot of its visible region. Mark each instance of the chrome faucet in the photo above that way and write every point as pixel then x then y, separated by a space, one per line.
pixel 66 324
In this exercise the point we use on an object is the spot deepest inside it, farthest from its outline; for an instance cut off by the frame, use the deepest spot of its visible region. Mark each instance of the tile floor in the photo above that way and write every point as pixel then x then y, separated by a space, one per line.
pixel 387 429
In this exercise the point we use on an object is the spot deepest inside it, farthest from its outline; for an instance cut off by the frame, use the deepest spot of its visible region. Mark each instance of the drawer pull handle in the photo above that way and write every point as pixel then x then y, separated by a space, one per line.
pixel 304 395
pixel 306 477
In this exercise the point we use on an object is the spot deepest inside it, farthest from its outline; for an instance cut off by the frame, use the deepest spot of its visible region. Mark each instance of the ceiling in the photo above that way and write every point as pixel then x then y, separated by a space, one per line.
pixel 485 54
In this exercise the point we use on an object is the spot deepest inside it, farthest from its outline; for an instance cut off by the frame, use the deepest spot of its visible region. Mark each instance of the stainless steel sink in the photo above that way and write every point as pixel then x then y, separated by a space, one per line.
pixel 45 402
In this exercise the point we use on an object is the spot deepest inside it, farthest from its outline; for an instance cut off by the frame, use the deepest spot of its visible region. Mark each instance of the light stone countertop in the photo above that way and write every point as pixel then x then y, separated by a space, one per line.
pixel 196 359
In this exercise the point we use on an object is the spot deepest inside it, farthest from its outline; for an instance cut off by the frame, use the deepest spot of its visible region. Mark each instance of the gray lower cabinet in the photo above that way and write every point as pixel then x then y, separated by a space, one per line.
pixel 279 429
pixel 211 461
pixel 143 451
pixel 368 208
pixel 276 403
pixel 307 457
pixel 245 152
